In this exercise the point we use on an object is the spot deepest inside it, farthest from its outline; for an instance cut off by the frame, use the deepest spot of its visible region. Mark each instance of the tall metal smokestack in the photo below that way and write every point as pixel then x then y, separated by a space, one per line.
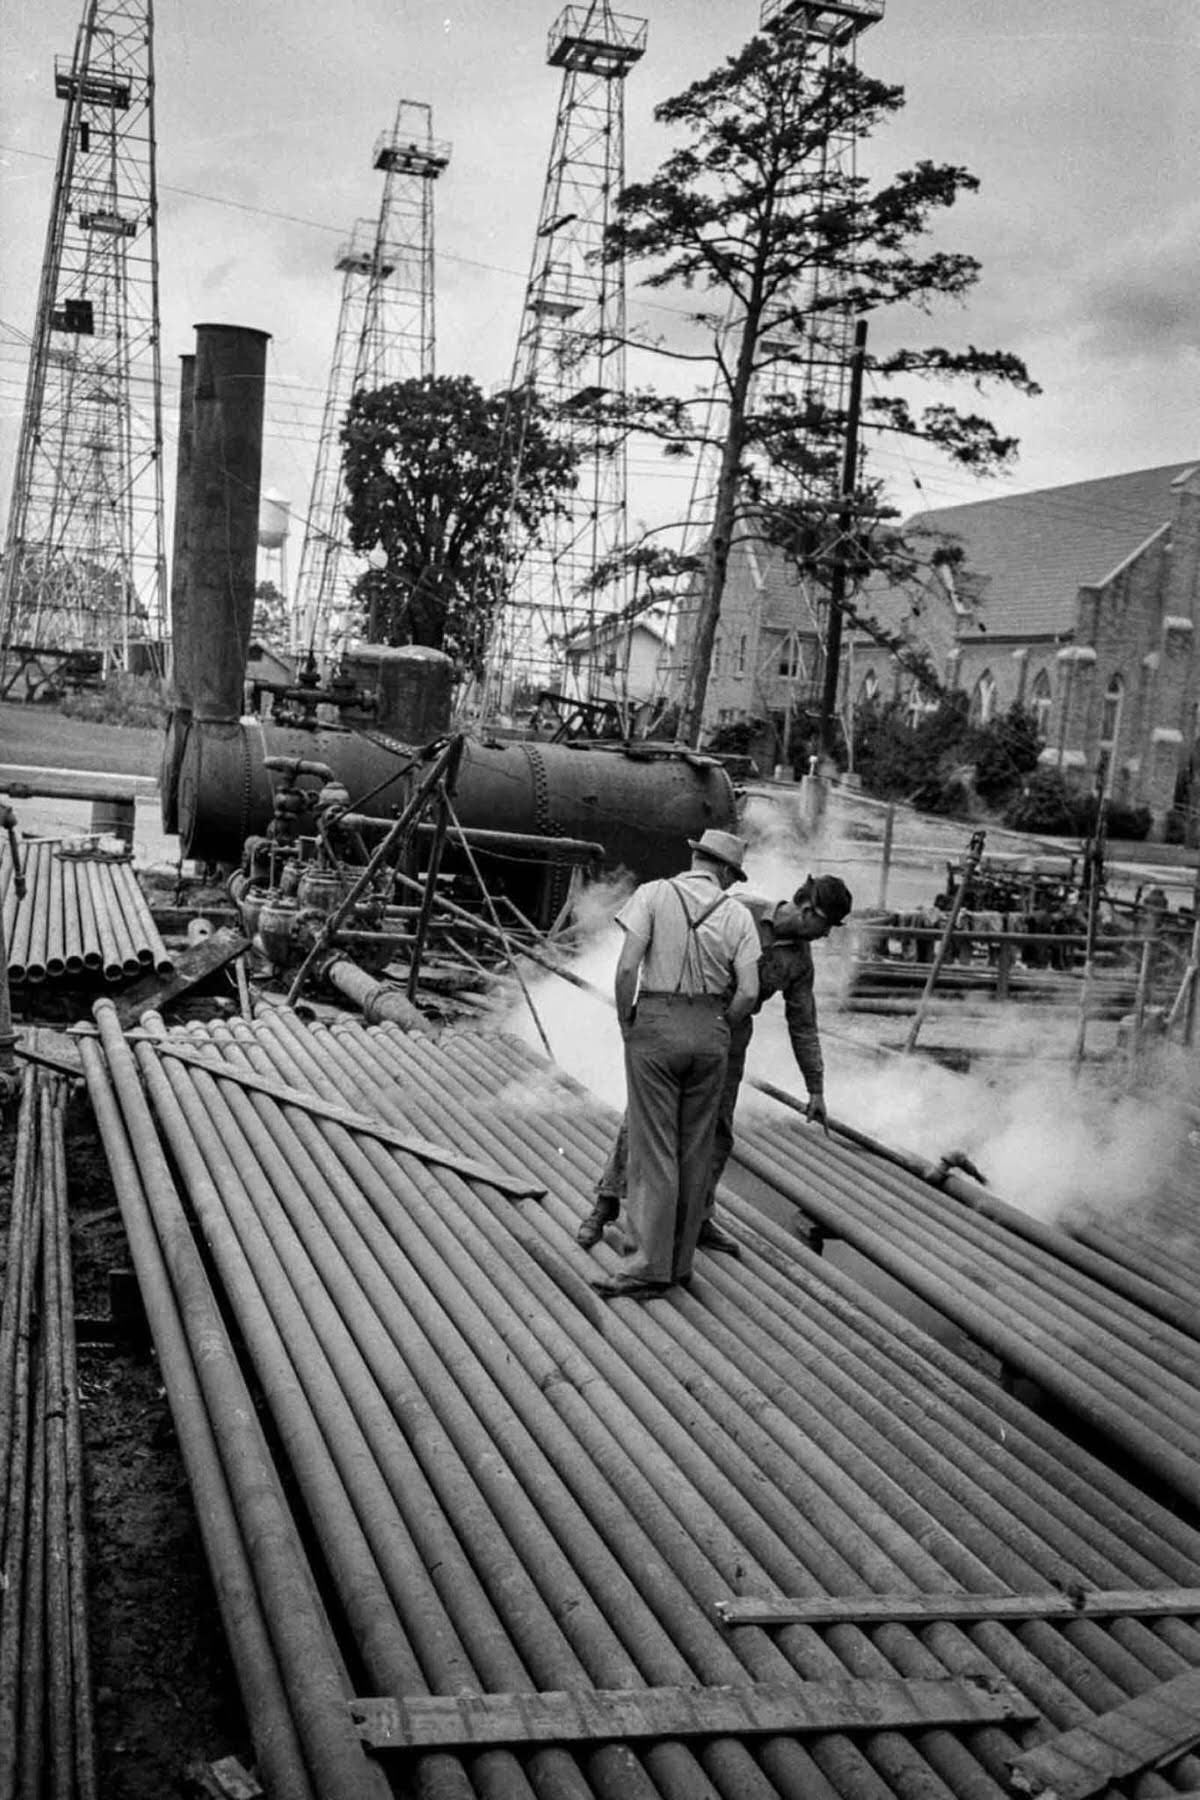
pixel 218 566
pixel 222 530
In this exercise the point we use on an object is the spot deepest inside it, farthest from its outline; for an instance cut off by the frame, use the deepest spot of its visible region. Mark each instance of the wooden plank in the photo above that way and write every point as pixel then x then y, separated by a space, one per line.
pixel 191 966
pixel 517 1185
pixel 50 1050
pixel 1143 1733
pixel 478 1721
pixel 886 1609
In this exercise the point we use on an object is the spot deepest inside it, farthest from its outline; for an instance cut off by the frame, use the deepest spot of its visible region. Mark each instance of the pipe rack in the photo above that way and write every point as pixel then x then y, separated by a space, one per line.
pixel 515 1487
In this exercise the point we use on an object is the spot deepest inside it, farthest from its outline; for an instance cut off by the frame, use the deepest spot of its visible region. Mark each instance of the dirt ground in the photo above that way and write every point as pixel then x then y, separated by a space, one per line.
pixel 165 1698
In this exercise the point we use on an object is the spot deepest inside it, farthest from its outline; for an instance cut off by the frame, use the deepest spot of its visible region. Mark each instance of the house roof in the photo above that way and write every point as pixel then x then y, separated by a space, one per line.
pixel 1028 554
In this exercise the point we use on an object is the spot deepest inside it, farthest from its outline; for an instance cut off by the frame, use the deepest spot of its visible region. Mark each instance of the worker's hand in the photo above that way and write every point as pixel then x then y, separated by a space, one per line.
pixel 815 1112
pixel 627 1024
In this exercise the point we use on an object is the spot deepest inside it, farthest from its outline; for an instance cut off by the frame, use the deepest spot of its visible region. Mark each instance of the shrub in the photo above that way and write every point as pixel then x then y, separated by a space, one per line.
pixel 123 700
pixel 1046 802
pixel 1004 752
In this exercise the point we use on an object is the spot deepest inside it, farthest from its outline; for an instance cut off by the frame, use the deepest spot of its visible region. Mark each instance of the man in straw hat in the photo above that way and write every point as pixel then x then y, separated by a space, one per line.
pixel 786 930
pixel 686 976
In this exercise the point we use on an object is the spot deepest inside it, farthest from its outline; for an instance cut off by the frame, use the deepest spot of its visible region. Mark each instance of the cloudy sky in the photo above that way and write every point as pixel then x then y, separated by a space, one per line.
pixel 1079 119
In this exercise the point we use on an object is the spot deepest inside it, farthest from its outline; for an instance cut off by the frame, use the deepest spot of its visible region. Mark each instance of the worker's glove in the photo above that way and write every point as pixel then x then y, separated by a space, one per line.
pixel 815 1112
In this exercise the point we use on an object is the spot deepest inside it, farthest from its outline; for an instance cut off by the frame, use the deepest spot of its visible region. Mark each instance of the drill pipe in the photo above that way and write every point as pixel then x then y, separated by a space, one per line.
pixel 850 1309
pixel 110 955
pixel 14 1442
pixel 1062 1245
pixel 348 1035
pixel 277 1746
pixel 151 948
pixel 928 1218
pixel 513 1533
pixel 330 1454
pixel 83 1724
pixel 1034 1282
pixel 859 1790
pixel 1083 1386
pixel 299 1631
pixel 18 936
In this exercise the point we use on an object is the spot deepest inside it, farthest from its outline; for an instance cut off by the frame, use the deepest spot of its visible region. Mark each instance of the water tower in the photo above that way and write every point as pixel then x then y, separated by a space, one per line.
pixel 274 523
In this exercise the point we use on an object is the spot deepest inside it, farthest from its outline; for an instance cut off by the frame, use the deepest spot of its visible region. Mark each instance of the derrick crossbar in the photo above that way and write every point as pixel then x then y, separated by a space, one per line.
pixel 482 1721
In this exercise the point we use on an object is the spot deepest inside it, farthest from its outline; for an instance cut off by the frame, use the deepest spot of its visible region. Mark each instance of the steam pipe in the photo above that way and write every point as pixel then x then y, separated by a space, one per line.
pixel 298 1631
pixel 376 1000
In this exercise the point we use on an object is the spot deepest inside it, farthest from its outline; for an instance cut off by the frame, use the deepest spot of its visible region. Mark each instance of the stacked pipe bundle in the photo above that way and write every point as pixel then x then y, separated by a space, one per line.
pixel 46 1735
pixel 1127 1373
pixel 515 1487
pixel 81 916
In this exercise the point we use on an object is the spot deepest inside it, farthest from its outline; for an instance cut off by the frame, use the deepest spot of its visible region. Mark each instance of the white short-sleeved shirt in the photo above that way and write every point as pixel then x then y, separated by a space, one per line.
pixel 679 960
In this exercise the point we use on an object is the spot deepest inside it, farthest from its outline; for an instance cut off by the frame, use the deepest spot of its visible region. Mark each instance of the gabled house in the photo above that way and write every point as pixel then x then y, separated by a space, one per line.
pixel 1081 603
pixel 616 658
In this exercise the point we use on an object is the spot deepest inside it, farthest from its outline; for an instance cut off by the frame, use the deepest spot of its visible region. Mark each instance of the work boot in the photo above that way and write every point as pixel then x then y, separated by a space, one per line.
pixel 604 1211
pixel 715 1237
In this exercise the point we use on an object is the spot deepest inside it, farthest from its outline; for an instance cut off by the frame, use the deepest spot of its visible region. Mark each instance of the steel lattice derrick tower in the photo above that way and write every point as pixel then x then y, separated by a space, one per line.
pixel 84 563
pixel 571 344
pixel 385 333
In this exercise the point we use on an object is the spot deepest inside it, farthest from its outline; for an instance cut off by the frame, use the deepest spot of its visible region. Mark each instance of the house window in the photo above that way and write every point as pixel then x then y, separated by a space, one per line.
pixel 1110 733
pixel 1040 700
pixel 869 690
pixel 716 656
pixel 789 657
pixel 739 662
pixel 983 700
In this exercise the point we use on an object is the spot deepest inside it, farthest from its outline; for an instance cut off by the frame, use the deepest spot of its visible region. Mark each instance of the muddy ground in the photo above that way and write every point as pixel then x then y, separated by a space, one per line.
pixel 166 1702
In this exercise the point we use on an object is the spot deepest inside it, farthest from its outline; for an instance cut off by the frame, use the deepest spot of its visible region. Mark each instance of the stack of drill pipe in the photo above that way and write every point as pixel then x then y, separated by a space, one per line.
pixel 79 914
pixel 289 1668
pixel 516 1487
pixel 1127 1374
pixel 46 1730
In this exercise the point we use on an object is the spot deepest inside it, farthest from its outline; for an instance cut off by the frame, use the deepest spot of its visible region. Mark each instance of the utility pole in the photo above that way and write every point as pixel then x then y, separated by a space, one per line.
pixel 845 524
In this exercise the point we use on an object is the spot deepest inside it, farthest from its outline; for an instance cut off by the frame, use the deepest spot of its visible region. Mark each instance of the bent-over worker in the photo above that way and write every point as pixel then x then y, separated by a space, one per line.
pixel 785 966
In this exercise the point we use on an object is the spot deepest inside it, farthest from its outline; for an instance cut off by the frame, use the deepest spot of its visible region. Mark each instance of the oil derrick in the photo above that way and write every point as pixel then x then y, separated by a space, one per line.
pixel 570 351
pixel 385 333
pixel 816 378
pixel 84 566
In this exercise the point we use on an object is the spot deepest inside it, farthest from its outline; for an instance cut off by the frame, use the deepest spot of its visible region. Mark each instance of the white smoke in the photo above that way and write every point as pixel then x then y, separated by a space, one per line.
pixel 1050 1138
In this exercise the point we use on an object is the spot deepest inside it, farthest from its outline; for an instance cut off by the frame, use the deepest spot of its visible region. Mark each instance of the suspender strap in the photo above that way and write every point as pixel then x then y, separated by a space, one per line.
pixel 693 926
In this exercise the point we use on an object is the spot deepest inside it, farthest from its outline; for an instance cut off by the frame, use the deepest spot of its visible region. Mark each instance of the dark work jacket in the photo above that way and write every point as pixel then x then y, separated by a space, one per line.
pixel 786 967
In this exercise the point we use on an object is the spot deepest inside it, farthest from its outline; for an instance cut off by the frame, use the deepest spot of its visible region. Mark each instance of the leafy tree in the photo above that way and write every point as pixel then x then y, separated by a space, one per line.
pixel 429 477
pixel 272 620
pixel 746 212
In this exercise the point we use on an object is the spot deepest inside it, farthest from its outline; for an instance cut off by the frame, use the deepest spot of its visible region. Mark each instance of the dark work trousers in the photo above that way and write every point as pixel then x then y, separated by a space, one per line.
pixel 614 1177
pixel 675 1057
